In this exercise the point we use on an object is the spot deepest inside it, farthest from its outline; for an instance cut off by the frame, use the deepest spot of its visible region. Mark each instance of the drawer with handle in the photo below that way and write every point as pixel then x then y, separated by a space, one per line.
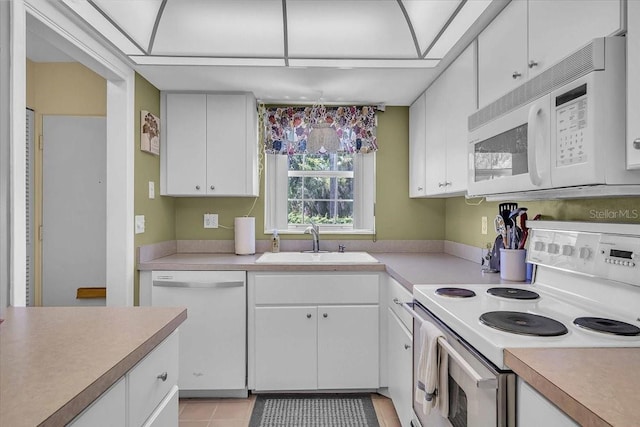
pixel 152 379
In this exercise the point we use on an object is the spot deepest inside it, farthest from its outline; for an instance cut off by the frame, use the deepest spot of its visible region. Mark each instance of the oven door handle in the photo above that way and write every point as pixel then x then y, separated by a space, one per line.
pixel 481 382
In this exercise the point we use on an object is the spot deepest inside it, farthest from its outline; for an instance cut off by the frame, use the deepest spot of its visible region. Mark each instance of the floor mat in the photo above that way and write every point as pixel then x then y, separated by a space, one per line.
pixel 313 410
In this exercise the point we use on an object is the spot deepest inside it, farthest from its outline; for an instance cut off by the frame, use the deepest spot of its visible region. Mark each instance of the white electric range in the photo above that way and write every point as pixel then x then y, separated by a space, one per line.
pixel 585 293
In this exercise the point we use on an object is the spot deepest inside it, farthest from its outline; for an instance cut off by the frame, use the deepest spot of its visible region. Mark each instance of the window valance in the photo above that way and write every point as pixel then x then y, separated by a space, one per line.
pixel 287 129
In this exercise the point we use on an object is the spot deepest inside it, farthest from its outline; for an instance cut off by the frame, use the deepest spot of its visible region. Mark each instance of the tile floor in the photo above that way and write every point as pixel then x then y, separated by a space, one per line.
pixel 237 412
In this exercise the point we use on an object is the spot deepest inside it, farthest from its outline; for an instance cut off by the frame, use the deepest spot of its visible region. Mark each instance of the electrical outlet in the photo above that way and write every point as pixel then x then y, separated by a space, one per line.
pixel 484 225
pixel 210 220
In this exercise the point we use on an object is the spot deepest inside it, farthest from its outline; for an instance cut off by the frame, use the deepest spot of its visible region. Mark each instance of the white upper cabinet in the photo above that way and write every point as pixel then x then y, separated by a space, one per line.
pixel 529 36
pixel 211 145
pixel 417 155
pixel 633 85
pixel 502 53
pixel 438 131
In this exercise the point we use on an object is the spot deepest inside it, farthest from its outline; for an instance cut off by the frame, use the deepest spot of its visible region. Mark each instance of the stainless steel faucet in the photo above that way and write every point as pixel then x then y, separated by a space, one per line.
pixel 315 235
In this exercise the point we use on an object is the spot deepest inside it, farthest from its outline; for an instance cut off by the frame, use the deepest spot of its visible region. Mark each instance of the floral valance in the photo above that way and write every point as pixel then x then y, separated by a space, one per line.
pixel 287 129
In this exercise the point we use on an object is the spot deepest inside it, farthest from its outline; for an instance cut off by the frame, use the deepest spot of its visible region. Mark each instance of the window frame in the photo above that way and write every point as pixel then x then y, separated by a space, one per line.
pixel 276 196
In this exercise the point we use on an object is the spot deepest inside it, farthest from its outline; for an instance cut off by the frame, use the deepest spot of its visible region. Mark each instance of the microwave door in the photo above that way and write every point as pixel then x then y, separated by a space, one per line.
pixel 511 153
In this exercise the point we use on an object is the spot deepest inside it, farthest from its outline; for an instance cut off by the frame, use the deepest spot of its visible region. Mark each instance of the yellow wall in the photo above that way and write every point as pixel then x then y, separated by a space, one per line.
pixel 397 216
pixel 59 89
pixel 463 224
pixel 159 212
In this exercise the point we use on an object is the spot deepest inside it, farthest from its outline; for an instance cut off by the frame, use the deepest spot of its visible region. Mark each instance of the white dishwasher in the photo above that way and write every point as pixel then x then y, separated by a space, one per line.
pixel 212 357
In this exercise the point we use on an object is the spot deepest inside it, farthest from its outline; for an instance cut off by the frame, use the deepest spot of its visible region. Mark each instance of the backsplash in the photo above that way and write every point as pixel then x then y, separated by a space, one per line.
pixel 463 218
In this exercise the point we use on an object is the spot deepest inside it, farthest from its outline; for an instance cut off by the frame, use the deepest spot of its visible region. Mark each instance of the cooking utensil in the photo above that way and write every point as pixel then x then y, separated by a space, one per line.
pixel 525 230
pixel 516 232
pixel 501 229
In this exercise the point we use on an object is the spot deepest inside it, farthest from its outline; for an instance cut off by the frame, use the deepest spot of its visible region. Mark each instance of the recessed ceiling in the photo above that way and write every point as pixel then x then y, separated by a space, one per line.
pixel 364 51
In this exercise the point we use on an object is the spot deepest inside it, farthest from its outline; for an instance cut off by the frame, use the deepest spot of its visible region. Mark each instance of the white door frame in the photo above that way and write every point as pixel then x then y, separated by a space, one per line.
pixel 58 27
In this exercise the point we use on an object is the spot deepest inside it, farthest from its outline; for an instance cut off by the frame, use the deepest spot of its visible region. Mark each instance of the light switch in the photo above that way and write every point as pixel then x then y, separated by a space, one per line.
pixel 139 220
pixel 152 190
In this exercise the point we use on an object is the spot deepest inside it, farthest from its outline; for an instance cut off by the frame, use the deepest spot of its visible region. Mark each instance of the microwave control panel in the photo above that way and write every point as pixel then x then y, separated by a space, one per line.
pixel 571 126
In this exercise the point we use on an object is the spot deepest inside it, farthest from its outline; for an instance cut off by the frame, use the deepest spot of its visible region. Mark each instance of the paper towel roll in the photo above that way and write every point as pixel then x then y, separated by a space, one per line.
pixel 245 234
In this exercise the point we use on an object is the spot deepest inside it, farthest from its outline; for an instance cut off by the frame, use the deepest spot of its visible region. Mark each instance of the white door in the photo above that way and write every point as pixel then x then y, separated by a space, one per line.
pixel 286 348
pixel 633 85
pixel 417 145
pixel 400 358
pixel 73 208
pixel 348 347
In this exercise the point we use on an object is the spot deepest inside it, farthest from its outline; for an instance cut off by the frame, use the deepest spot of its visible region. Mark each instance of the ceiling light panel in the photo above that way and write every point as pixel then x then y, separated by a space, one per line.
pixel 469 13
pixel 348 29
pixel 428 17
pixel 221 28
pixel 94 18
pixel 136 18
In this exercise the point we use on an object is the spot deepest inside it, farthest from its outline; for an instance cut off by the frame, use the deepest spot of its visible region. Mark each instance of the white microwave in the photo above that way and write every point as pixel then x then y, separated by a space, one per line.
pixel 563 128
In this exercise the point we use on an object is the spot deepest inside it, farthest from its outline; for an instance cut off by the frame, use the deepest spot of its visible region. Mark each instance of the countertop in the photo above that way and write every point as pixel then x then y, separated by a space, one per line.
pixel 56 360
pixel 407 268
pixel 594 386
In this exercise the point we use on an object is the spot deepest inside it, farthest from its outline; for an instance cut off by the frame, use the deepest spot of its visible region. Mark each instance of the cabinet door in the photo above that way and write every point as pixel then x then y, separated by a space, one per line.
pixel 400 357
pixel 435 139
pixel 348 349
pixel 166 414
pixel 227 145
pixel 417 155
pixel 534 410
pixel 502 51
pixel 186 139
pixel 286 348
pixel 633 85
pixel 558 28
pixel 460 103
pixel 110 409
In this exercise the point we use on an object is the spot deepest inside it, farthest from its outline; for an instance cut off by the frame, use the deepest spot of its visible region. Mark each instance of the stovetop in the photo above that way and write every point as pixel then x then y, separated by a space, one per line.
pixel 579 274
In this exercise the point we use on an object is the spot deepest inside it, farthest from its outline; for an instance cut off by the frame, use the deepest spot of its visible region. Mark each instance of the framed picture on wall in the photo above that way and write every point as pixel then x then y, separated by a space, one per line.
pixel 149 133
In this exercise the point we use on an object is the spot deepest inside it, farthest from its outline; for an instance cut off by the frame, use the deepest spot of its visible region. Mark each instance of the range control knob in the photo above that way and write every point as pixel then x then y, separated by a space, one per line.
pixel 538 246
pixel 567 250
pixel 585 253
pixel 553 248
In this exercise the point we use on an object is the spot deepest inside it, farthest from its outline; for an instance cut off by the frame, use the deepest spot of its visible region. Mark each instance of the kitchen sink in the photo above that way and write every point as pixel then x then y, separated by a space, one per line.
pixel 316 258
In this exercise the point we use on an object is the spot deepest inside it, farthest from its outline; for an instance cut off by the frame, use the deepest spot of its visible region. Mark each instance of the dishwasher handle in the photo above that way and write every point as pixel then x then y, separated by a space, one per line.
pixel 481 382
pixel 184 284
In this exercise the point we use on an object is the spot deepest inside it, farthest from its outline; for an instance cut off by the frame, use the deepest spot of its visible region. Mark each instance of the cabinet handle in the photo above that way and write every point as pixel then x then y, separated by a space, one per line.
pixel 325 315
pixel 419 188
pixel 197 187
pixel 636 143
pixel 213 187
pixel 407 346
pixel 533 63
pixel 397 301
pixel 441 184
pixel 516 74
pixel 162 376
pixel 308 315
pixel 447 183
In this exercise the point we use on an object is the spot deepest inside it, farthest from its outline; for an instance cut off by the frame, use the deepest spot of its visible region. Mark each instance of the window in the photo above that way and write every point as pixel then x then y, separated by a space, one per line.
pixel 334 190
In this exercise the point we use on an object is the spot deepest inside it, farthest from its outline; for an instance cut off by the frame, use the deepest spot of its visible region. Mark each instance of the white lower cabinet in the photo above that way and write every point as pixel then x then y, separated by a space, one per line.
pixel 313 331
pixel 110 409
pixel 534 410
pixel 400 360
pixel 146 396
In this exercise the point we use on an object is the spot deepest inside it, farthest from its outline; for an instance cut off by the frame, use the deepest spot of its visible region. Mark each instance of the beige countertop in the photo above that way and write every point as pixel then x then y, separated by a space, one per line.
pixel 595 386
pixel 407 268
pixel 54 361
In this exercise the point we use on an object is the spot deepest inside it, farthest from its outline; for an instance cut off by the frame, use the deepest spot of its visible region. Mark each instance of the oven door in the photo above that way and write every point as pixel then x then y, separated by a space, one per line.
pixel 479 394
pixel 512 152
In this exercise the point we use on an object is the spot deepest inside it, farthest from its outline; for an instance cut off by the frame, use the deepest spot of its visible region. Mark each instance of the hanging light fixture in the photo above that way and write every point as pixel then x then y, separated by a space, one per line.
pixel 322 138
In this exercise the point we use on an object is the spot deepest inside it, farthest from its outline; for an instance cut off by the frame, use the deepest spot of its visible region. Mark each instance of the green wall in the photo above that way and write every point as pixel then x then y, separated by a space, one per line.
pixel 464 221
pixel 397 216
pixel 159 212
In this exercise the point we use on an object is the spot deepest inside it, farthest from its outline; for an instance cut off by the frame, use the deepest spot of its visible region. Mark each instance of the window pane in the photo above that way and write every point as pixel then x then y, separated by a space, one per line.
pixel 295 212
pixel 344 162
pixel 345 188
pixel 295 187
pixel 316 188
pixel 345 213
